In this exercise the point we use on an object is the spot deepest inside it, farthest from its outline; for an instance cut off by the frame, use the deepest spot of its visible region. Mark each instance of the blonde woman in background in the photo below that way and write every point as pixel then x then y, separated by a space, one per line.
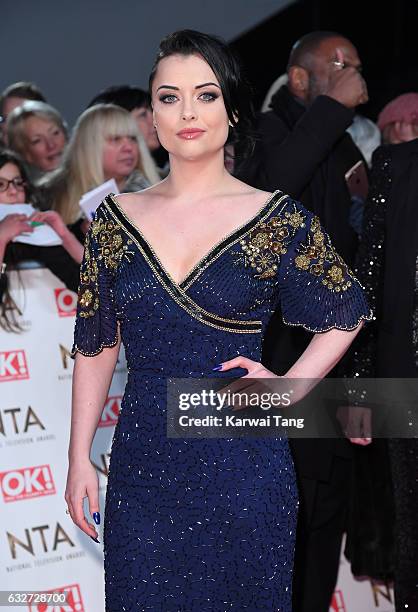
pixel 38 133
pixel 105 143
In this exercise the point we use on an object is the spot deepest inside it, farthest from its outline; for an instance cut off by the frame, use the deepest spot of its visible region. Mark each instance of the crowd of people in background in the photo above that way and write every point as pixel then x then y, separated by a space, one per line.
pixel 312 142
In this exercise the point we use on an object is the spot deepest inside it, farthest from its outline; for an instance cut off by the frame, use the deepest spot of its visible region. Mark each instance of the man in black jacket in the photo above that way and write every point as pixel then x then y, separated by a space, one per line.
pixel 304 150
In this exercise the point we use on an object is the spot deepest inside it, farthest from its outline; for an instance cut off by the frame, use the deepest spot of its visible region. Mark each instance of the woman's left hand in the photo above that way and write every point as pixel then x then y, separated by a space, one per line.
pixel 254 368
pixel 264 381
pixel 258 385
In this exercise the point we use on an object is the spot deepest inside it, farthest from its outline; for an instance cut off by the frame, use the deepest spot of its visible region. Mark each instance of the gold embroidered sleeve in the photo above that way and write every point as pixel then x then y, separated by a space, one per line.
pixel 317 256
pixel 88 291
pixel 106 247
pixel 318 291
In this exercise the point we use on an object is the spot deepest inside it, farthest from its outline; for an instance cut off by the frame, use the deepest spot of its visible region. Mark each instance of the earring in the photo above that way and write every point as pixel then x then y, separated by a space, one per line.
pixel 230 123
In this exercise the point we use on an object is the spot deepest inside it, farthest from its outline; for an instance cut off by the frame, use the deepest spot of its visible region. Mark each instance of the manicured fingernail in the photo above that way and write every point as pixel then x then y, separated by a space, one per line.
pixel 217 368
pixel 95 540
pixel 96 517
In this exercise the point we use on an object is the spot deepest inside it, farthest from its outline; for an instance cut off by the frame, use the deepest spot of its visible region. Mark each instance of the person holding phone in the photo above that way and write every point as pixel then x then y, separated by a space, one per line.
pixel 304 148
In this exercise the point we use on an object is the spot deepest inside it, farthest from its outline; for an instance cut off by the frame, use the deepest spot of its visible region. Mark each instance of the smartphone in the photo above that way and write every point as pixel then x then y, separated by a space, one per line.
pixel 357 180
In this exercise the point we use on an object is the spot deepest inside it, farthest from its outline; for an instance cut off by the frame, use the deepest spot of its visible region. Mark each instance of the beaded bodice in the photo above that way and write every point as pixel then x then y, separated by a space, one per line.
pixel 280 257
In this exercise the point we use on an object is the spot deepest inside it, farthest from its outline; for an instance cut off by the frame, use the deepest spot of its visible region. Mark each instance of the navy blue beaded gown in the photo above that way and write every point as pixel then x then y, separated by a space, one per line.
pixel 202 524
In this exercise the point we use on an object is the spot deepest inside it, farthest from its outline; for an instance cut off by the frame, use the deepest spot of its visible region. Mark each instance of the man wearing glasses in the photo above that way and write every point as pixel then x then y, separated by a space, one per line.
pixel 304 150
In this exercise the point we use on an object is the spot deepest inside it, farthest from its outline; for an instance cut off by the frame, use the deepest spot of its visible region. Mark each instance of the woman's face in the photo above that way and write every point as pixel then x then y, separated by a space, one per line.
pixel 189 110
pixel 400 131
pixel 145 123
pixel 45 142
pixel 120 157
pixel 11 192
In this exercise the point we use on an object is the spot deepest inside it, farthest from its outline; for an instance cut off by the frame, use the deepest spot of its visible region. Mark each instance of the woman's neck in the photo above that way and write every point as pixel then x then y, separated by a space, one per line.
pixel 197 177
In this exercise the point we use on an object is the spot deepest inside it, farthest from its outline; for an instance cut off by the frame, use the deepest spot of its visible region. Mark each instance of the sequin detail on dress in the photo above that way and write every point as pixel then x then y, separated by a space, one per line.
pixel 268 241
pixel 88 291
pixel 112 248
pixel 318 256
pixel 195 524
pixel 104 242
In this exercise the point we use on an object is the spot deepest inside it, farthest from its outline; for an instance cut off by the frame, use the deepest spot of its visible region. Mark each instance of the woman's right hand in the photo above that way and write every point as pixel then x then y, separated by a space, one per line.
pixel 12 226
pixel 82 481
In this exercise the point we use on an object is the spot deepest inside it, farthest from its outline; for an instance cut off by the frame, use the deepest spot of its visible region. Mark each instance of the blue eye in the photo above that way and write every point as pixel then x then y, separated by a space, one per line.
pixel 208 96
pixel 168 98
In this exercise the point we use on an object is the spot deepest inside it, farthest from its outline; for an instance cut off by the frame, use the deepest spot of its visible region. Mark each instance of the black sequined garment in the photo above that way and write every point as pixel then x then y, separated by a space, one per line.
pixel 387 267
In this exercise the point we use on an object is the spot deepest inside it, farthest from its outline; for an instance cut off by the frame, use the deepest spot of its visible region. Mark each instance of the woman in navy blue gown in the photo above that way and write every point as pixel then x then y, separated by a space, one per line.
pixel 186 274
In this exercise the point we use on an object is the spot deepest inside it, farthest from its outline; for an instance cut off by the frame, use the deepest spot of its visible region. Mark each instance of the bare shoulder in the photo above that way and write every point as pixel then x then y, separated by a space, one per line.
pixel 131 201
pixel 250 194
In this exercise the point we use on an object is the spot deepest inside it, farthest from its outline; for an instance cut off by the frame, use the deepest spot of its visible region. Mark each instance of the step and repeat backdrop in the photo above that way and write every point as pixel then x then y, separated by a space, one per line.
pixel 40 548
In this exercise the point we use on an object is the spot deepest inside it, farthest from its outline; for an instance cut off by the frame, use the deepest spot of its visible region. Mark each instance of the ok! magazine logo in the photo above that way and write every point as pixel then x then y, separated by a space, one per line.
pixel 66 302
pixel 337 603
pixel 27 483
pixel 111 411
pixel 73 601
pixel 13 366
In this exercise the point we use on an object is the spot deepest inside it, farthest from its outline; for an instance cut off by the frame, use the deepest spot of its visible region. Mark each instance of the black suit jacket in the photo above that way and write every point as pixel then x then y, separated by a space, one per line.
pixel 306 152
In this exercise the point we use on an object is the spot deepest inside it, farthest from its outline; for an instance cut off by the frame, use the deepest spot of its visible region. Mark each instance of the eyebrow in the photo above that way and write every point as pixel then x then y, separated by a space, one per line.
pixel 197 86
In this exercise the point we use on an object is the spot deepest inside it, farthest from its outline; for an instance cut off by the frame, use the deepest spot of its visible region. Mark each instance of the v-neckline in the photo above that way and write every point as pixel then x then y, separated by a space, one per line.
pixel 204 259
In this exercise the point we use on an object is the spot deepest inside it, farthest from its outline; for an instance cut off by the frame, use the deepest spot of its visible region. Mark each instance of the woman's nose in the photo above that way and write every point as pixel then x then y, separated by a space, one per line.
pixel 51 144
pixel 188 115
pixel 12 188
pixel 128 144
pixel 188 111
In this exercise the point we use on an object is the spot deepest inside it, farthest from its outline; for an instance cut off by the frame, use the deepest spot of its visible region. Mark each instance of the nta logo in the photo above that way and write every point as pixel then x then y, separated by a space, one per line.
pixel 18 420
pixel 39 539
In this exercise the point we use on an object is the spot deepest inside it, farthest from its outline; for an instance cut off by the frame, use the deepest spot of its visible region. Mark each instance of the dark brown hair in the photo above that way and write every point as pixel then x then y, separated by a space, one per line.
pixel 234 86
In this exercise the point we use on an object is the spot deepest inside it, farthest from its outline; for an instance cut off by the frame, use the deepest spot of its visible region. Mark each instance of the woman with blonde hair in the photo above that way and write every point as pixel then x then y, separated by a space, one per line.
pixel 105 144
pixel 38 133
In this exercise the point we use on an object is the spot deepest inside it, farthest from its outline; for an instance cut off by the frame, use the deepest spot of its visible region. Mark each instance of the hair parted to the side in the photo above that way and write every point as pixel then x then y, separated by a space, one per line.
pixel 235 89
pixel 81 168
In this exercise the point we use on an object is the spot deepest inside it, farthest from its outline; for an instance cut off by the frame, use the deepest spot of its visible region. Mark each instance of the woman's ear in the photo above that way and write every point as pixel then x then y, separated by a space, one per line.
pixel 298 81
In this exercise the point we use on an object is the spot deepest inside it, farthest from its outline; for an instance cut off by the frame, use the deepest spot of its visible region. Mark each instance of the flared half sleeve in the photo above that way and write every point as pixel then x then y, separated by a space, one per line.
pixel 318 291
pixel 96 321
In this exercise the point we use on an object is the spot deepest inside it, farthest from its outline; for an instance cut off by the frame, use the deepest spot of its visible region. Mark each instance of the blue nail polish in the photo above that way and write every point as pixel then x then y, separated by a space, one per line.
pixel 96 517
pixel 95 540
pixel 217 368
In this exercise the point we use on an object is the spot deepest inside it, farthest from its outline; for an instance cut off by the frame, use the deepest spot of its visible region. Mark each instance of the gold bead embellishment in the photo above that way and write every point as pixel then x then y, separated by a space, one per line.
pixel 104 244
pixel 268 241
pixel 317 251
